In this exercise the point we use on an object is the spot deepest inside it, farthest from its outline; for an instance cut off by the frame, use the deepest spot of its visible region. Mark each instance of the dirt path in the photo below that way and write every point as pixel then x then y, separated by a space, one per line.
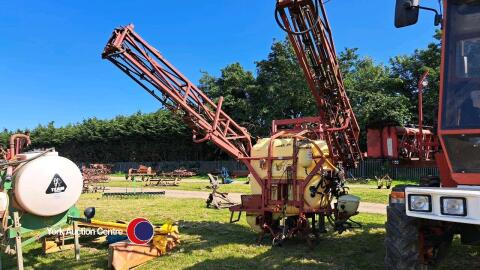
pixel 365 207
pixel 189 180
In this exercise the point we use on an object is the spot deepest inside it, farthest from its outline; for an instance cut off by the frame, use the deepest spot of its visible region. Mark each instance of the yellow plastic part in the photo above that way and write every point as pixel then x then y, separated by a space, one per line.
pixel 160 242
pixel 167 228
pixel 305 156
pixel 308 156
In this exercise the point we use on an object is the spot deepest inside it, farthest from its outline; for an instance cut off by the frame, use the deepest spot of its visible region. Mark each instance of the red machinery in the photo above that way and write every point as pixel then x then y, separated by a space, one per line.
pixel 16 143
pixel 411 146
pixel 95 176
pixel 286 187
pixel 311 37
pixel 422 220
pixel 401 143
pixel 394 142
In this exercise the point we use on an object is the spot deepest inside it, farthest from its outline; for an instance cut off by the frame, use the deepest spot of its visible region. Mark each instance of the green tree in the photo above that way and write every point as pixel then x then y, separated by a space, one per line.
pixel 371 90
pixel 282 88
pixel 140 137
pixel 408 69
pixel 236 85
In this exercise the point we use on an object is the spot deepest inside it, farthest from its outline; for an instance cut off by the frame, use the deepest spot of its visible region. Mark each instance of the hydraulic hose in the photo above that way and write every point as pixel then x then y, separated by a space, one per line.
pixel 284 28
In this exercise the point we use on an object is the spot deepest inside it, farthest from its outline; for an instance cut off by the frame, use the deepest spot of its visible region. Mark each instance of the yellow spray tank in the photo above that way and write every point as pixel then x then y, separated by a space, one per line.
pixel 310 152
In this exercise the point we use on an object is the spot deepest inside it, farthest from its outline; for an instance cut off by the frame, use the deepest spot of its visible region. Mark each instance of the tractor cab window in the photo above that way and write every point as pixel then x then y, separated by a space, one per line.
pixel 468 58
pixel 461 101
pixel 464 152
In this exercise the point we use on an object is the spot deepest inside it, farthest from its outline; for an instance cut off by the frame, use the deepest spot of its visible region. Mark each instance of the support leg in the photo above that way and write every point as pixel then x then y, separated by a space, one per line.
pixel 18 240
pixel 76 241
pixel 260 238
pixel 321 224
pixel 314 226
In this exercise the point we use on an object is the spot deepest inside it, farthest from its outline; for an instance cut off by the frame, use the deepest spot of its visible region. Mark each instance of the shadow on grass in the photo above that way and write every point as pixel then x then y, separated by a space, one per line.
pixel 359 249
pixel 63 260
pixel 214 245
pixel 93 256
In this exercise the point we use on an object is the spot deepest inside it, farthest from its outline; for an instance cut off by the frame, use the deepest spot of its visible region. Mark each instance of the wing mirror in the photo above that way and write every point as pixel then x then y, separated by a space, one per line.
pixel 406 13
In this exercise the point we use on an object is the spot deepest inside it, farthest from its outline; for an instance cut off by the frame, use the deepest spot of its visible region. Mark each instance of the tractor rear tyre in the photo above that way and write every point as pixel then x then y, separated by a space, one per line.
pixel 401 241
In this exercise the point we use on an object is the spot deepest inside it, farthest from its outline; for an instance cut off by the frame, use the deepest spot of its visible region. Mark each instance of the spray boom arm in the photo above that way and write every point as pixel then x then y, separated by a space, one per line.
pixel 308 29
pixel 146 66
pixel 309 32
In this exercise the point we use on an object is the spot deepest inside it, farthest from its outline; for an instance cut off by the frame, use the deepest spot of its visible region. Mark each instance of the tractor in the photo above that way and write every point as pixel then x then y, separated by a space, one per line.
pixel 422 220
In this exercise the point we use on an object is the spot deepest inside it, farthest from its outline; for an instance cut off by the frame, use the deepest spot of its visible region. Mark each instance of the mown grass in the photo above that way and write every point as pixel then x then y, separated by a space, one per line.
pixel 370 194
pixel 373 182
pixel 210 242
pixel 202 177
pixel 189 186
pixel 367 192
pixel 117 174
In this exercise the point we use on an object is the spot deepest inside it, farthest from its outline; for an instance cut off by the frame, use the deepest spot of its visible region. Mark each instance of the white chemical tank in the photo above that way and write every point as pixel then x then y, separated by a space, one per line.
pixel 348 204
pixel 48 185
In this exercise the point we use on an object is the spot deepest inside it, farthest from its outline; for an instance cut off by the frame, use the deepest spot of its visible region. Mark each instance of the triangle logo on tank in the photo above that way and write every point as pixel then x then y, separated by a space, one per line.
pixel 57 185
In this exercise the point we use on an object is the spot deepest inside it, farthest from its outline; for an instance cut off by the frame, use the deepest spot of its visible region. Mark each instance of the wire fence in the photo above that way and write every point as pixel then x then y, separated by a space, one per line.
pixel 370 168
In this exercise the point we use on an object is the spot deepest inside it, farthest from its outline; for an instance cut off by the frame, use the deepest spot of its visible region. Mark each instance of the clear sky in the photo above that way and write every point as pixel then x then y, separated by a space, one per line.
pixel 51 69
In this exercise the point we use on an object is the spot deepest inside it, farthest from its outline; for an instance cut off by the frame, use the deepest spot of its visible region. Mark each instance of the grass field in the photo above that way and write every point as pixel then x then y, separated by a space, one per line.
pixel 196 177
pixel 367 192
pixel 209 242
pixel 191 186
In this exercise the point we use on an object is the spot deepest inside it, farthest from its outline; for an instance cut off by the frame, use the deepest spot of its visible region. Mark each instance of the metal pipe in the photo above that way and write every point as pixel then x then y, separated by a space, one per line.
pixel 420 115
pixel 13 138
pixel 343 127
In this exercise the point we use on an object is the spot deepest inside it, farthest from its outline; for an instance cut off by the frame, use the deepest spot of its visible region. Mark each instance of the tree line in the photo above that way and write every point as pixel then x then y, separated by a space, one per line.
pixel 378 92
pixel 158 136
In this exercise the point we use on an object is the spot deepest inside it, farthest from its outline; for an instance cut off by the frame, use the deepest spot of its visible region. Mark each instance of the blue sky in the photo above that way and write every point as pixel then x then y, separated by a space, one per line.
pixel 51 69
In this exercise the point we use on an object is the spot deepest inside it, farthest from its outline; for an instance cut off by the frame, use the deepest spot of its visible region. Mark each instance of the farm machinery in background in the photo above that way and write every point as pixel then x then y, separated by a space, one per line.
pixel 217 199
pixel 422 220
pixel 95 176
pixel 410 146
pixel 406 146
pixel 38 192
pixel 151 177
pixel 143 172
pixel 224 175
pixel 297 175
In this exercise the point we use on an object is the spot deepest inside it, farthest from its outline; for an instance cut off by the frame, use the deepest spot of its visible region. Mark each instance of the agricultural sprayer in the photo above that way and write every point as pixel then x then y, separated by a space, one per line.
pixel 297 175
pixel 38 192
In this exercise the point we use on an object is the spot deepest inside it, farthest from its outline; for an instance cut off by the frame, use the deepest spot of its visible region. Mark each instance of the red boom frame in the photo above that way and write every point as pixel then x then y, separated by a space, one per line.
pixel 146 66
pixel 311 37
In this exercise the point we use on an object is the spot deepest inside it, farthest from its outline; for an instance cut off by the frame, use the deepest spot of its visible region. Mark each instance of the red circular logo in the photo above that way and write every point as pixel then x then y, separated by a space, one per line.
pixel 140 231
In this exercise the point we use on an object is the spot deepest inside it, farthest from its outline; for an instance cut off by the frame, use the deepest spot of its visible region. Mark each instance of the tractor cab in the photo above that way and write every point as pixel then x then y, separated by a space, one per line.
pixel 459 104
pixel 459 127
